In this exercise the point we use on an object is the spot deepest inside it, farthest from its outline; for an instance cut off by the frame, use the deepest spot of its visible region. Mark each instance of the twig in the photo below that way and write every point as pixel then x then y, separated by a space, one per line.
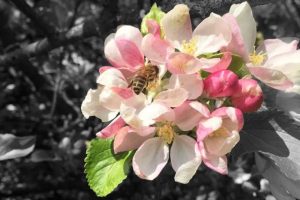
pixel 85 30
pixel 38 20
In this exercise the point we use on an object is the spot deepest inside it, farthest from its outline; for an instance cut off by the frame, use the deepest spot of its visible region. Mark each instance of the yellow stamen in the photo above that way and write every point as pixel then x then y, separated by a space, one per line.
pixel 166 132
pixel 257 58
pixel 221 132
pixel 189 47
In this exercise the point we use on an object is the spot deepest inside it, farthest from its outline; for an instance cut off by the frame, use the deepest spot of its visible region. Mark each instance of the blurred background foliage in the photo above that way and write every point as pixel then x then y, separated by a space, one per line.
pixel 41 94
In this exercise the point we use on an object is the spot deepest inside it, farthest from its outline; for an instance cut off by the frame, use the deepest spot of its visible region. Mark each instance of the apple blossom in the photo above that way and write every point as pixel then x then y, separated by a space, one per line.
pixel 152 156
pixel 247 96
pixel 217 135
pixel 275 62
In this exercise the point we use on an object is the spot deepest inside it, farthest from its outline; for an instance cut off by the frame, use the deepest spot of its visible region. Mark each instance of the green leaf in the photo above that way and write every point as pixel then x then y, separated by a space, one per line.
pixel 104 169
pixel 238 66
pixel 14 147
pixel 155 13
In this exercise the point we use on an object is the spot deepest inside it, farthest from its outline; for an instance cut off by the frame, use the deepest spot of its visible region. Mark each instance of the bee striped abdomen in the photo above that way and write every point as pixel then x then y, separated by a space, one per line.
pixel 143 77
pixel 139 83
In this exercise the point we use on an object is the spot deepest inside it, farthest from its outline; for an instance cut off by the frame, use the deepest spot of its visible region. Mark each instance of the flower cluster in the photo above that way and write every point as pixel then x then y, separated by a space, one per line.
pixel 180 93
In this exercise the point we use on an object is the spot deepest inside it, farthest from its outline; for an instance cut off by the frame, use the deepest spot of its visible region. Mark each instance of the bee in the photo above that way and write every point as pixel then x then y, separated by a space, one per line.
pixel 143 77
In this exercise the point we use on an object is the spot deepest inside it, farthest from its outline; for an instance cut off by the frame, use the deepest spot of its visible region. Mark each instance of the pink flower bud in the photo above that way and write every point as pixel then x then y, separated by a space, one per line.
pixel 220 84
pixel 248 95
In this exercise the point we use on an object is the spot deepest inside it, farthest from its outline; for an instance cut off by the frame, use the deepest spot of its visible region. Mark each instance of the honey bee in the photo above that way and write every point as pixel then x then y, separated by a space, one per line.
pixel 143 77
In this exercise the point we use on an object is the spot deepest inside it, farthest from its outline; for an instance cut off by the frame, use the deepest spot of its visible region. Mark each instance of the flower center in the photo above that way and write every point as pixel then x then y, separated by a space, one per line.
pixel 221 132
pixel 166 132
pixel 257 58
pixel 189 47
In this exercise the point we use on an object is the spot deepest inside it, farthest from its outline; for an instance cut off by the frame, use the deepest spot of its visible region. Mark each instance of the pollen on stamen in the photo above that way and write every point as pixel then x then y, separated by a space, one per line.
pixel 166 132
pixel 189 47
pixel 257 58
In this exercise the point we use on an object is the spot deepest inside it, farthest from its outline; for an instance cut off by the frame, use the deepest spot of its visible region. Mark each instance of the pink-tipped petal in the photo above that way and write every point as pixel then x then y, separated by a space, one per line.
pixel 130 33
pixel 128 139
pixel 192 83
pixel 212 34
pixel 112 52
pixel 176 25
pixel 153 27
pixel 156 49
pixel 246 22
pixel 216 163
pixel 91 106
pixel 221 64
pixel 221 145
pixel 150 113
pixel 273 78
pixel 180 63
pixel 237 44
pixel 207 126
pixel 124 93
pixel 130 53
pixel 172 97
pixel 185 158
pixel 233 114
pixel 112 78
pixel 275 47
pixel 104 68
pixel 111 130
pixel 150 158
pixel 188 115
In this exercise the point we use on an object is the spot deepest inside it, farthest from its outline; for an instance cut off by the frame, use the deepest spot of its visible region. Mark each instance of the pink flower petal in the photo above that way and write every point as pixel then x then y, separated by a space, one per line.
pixel 130 53
pixel 185 158
pixel 128 139
pixel 172 97
pixel 275 47
pixel 104 68
pixel 150 158
pixel 246 22
pixel 221 145
pixel 207 126
pixel 112 78
pixel 273 78
pixel 233 114
pixel 213 33
pixel 124 93
pixel 180 63
pixel 91 106
pixel 153 27
pixel 222 64
pixel 188 115
pixel 130 33
pixel 192 83
pixel 237 45
pixel 150 113
pixel 111 129
pixel 156 49
pixel 216 163
pixel 177 25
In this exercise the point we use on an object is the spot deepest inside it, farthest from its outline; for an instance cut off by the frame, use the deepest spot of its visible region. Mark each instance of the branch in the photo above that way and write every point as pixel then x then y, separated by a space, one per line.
pixel 38 20
pixel 85 30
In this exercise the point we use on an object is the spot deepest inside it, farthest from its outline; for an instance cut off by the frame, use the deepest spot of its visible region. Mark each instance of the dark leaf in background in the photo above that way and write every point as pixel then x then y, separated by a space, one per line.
pixel 44 155
pixel 14 147
pixel 282 187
